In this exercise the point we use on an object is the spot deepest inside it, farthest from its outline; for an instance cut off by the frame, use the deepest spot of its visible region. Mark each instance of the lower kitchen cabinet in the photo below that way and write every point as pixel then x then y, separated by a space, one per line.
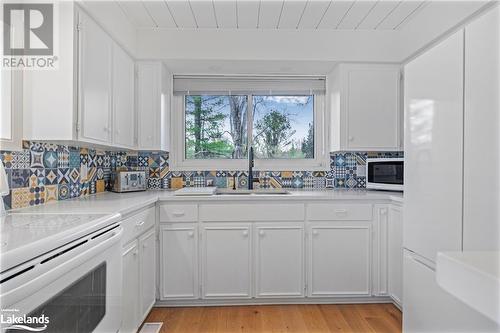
pixel 130 309
pixel 395 253
pixel 147 276
pixel 179 261
pixel 279 260
pixel 227 260
pixel 139 268
pixel 339 258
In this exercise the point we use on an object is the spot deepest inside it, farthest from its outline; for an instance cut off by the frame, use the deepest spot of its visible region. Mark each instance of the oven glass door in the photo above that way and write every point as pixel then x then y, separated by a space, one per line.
pixel 390 172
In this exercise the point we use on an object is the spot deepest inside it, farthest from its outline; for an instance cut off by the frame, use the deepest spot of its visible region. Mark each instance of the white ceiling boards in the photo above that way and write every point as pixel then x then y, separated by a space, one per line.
pixel 238 33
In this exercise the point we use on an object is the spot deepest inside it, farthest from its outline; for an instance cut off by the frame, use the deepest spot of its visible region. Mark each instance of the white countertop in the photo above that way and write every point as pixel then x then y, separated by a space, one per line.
pixel 126 203
pixel 22 237
pixel 473 277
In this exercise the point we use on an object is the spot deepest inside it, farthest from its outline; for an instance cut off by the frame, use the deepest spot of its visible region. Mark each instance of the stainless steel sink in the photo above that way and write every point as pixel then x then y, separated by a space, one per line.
pixel 259 191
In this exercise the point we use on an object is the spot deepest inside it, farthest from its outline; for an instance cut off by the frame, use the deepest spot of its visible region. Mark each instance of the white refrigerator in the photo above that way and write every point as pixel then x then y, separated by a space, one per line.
pixel 438 86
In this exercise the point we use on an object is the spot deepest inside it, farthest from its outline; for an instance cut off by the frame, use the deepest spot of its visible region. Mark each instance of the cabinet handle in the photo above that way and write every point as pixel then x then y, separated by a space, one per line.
pixel 178 214
pixel 144 245
pixel 351 138
pixel 191 234
pixel 341 211
pixel 261 233
pixel 383 211
pixel 245 233
pixel 140 224
pixel 134 253
pixel 315 232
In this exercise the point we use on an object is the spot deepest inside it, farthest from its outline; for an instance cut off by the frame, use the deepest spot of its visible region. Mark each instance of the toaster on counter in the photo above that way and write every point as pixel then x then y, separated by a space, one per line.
pixel 129 181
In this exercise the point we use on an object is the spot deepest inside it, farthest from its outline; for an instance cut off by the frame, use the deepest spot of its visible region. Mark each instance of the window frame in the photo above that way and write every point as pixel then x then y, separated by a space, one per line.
pixel 178 161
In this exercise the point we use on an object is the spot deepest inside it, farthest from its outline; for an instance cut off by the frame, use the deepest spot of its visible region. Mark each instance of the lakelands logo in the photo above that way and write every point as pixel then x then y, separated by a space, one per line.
pixel 28 36
pixel 11 319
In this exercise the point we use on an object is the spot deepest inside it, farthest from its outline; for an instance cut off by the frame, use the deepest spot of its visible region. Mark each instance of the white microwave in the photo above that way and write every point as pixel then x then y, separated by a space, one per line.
pixel 385 174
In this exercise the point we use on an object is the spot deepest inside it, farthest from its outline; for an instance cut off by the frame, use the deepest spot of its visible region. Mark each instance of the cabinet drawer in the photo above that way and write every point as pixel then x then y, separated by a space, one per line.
pixel 339 212
pixel 251 212
pixel 136 224
pixel 178 213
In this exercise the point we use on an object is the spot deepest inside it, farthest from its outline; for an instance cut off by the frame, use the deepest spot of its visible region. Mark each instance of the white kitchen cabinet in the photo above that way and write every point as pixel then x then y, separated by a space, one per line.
pixel 11 112
pixel 279 259
pixel 153 105
pixel 380 250
pixel 124 134
pixel 365 107
pixel 91 92
pixel 482 134
pixel 434 148
pixel 139 268
pixel 95 81
pixel 179 261
pixel 147 276
pixel 227 260
pixel 339 258
pixel 130 288
pixel 395 253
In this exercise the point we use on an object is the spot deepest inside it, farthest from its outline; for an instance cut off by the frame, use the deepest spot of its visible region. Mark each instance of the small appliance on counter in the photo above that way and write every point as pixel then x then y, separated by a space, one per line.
pixel 385 174
pixel 129 181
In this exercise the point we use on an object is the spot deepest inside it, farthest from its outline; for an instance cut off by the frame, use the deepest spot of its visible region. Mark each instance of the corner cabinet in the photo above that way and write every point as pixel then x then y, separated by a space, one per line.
pixel 366 107
pixel 90 93
pixel 153 105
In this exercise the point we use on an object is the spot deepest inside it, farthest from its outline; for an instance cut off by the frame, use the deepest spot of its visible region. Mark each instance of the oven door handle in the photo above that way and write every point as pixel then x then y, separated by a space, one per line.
pixel 26 284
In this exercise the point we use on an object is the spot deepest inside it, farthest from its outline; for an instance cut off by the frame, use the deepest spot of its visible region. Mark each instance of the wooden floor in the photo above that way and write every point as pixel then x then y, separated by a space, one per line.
pixel 384 318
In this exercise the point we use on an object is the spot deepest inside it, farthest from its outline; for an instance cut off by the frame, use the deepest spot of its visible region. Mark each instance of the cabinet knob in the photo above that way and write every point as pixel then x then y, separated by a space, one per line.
pixel 245 233
pixel 191 234
pixel 383 211
pixel 135 253
pixel 315 232
pixel 178 214
pixel 261 233
pixel 144 245
pixel 351 138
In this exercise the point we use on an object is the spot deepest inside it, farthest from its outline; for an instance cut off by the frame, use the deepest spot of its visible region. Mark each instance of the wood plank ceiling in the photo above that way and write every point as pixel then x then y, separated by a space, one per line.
pixel 270 14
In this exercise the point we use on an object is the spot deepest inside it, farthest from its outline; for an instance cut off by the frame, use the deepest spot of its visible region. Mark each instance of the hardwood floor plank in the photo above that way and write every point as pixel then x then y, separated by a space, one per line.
pixel 340 318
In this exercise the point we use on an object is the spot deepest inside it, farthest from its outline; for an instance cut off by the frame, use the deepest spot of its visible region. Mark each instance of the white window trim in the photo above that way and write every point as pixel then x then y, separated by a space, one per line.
pixel 321 162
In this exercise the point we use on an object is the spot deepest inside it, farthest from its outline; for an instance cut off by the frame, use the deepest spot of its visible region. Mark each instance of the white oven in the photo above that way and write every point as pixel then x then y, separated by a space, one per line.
pixel 74 288
pixel 385 174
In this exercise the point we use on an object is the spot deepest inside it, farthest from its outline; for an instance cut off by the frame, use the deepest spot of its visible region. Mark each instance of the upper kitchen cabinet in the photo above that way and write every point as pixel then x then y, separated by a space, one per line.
pixel 11 112
pixel 89 97
pixel 366 113
pixel 153 105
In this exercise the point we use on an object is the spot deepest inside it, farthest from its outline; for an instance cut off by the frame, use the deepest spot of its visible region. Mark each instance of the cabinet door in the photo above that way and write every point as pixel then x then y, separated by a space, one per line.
pixel 433 149
pixel 226 266
pixel 123 98
pixel 380 251
pixel 339 258
pixel 372 108
pixel 279 260
pixel 482 134
pixel 179 261
pixel 147 272
pixel 395 255
pixel 95 66
pixel 148 105
pixel 130 289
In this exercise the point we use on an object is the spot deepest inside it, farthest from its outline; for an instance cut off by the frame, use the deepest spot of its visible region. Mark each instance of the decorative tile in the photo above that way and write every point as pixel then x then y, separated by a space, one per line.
pixel 63 158
pixel 64 192
pixel 100 173
pixel 37 195
pixel 37 177
pixel 50 159
pixel 176 182
pixel 20 197
pixel 20 178
pixel 50 177
pixel 63 176
pixel 74 190
pixel 74 159
pixel 51 193
pixel 154 183
pixel 74 176
pixel 7 159
pixel 154 172
pixel 36 160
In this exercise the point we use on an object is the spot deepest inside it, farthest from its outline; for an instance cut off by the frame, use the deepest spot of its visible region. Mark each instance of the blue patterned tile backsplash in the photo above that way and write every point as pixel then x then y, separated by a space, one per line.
pixel 44 172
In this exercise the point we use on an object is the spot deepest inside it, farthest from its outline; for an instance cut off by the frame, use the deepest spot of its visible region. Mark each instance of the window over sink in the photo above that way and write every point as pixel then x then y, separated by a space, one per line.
pixel 217 119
